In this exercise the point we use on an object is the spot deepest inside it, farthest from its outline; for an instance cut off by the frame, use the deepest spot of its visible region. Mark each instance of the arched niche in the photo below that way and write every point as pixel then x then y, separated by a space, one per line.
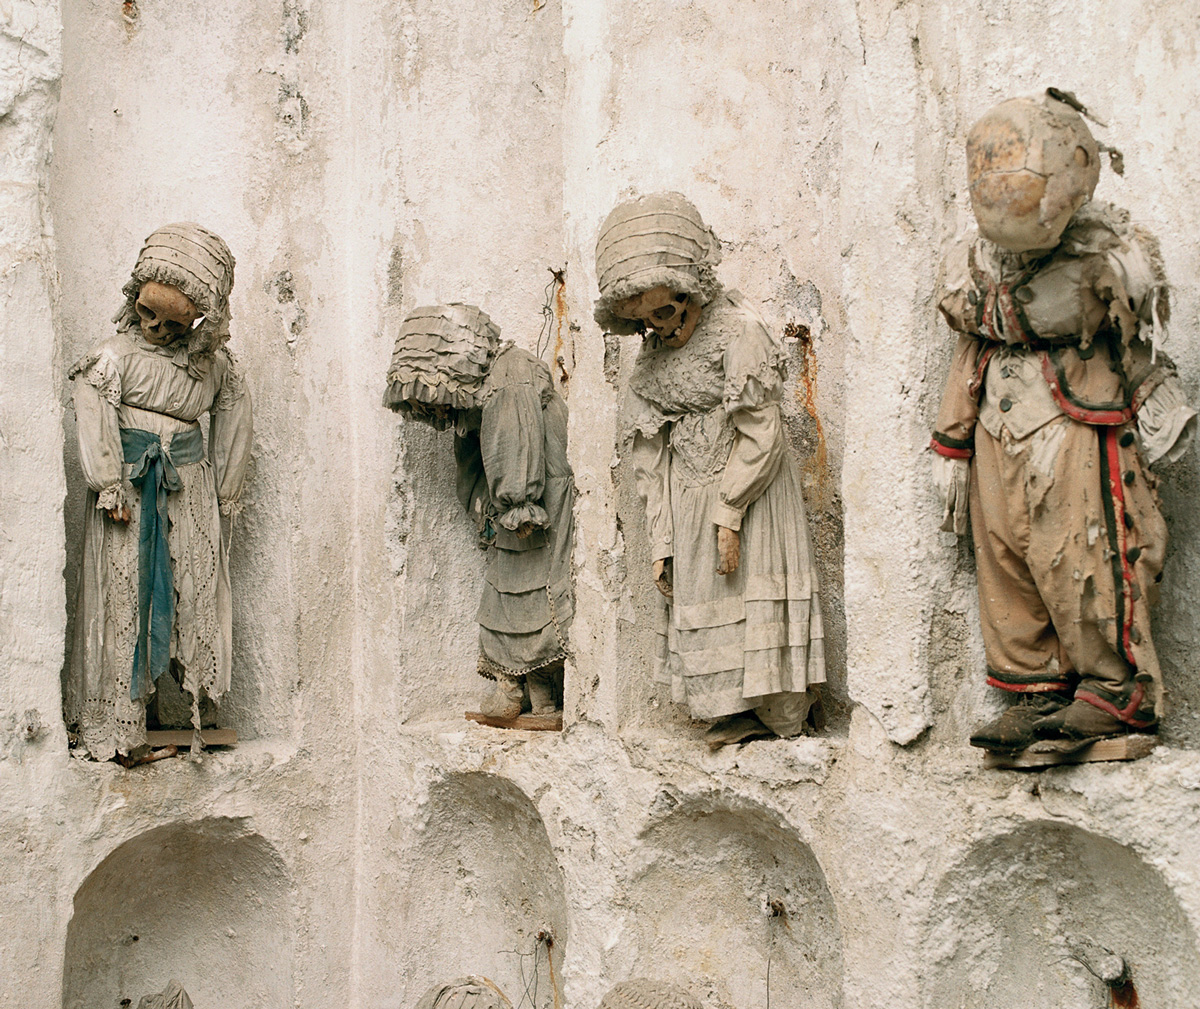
pixel 1008 917
pixel 479 883
pixel 204 902
pixel 724 891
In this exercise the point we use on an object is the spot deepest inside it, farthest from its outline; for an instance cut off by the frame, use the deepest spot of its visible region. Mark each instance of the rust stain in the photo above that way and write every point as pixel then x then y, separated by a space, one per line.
pixel 560 320
pixel 816 464
pixel 1124 995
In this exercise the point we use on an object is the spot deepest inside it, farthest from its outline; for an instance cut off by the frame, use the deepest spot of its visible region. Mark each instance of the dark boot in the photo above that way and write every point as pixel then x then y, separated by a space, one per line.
pixel 735 729
pixel 1080 720
pixel 1013 729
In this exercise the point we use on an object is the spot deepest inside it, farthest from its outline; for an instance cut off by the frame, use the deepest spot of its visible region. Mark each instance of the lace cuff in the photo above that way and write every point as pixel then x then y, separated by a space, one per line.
pixel 115 495
pixel 529 512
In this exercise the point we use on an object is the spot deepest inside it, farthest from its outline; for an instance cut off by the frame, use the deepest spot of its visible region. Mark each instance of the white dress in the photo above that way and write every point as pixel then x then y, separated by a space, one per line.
pixel 128 383
pixel 709 449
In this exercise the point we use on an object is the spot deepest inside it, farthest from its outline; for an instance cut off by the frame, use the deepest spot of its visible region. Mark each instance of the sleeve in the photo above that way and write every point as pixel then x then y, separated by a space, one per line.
pixel 651 457
pixel 230 436
pixel 472 482
pixel 1166 421
pixel 954 435
pixel 754 374
pixel 512 447
pixel 97 395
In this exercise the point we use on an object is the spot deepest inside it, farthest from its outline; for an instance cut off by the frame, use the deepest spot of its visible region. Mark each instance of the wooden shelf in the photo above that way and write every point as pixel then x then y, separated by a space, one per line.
pixel 1053 752
pixel 532 723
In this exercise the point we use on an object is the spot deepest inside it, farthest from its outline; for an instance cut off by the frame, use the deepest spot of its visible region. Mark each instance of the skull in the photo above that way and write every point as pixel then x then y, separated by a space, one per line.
pixel 1031 163
pixel 166 313
pixel 671 317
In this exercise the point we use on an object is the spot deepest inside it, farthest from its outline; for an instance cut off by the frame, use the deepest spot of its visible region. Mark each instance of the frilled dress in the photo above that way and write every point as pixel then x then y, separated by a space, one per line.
pixel 512 470
pixel 126 383
pixel 709 449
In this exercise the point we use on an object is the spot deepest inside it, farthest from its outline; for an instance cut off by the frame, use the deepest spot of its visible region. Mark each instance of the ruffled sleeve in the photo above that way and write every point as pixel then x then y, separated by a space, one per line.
pixel 97 395
pixel 754 376
pixel 231 434
pixel 512 443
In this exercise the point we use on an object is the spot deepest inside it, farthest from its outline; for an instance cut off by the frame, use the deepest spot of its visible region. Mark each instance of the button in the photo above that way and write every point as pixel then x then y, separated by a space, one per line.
pixel 1006 404
pixel 1129 478
pixel 972 297
pixel 1133 554
pixel 1024 295
pixel 1135 635
pixel 1127 439
pixel 1128 521
pixel 667 538
pixel 1135 592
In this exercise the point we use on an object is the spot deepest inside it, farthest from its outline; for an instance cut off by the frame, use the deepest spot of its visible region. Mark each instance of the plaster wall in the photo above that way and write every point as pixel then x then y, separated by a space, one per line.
pixel 364 158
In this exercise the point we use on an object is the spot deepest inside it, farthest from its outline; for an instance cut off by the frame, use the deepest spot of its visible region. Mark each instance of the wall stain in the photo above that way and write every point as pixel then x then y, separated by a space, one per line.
pixel 815 463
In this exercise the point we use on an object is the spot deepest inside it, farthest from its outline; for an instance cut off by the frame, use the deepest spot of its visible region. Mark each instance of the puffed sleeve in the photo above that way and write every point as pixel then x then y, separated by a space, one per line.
pixel 754 374
pixel 97 395
pixel 651 458
pixel 231 434
pixel 512 445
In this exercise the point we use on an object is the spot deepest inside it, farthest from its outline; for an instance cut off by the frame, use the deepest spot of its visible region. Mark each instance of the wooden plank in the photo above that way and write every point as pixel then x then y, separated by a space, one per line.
pixel 531 723
pixel 1054 752
pixel 183 737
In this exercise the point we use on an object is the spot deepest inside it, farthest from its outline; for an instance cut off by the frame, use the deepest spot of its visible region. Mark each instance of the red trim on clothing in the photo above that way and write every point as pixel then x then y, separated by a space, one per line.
pixel 950 453
pixel 1009 312
pixel 1083 414
pixel 1121 714
pixel 1029 688
pixel 1116 488
pixel 976 382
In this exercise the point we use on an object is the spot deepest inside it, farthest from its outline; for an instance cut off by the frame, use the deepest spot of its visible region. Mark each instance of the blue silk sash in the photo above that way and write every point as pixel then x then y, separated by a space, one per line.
pixel 154 474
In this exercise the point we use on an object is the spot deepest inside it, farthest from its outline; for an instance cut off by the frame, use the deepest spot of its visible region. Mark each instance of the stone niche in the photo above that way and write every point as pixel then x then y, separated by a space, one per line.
pixel 206 903
pixel 1010 916
pixel 725 894
pixel 480 882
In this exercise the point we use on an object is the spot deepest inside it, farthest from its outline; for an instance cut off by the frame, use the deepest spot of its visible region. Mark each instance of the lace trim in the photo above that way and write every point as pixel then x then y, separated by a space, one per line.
pixel 101 371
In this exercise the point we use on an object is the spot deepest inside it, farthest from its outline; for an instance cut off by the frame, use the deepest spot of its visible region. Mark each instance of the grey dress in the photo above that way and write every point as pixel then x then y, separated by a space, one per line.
pixel 709 449
pixel 513 470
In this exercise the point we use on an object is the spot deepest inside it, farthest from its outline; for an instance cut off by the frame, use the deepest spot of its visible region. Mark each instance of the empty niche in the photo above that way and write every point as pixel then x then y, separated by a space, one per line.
pixel 1013 921
pixel 481 884
pixel 729 899
pixel 205 903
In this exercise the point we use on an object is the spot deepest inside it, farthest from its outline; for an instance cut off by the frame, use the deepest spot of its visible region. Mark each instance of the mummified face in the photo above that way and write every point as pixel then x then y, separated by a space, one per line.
pixel 670 316
pixel 166 313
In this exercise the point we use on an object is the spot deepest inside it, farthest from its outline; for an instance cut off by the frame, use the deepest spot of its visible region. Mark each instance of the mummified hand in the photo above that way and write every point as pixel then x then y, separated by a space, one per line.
pixel 122 514
pixel 524 530
pixel 662 577
pixel 729 550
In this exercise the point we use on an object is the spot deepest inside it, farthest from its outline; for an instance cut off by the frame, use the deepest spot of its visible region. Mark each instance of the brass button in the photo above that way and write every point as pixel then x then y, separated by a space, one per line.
pixel 1133 554
pixel 1024 295
pixel 1129 478
pixel 1127 439
pixel 1006 404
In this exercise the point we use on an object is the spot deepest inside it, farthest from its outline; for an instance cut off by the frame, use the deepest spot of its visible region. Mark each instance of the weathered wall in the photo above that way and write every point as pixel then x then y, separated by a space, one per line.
pixel 364 158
